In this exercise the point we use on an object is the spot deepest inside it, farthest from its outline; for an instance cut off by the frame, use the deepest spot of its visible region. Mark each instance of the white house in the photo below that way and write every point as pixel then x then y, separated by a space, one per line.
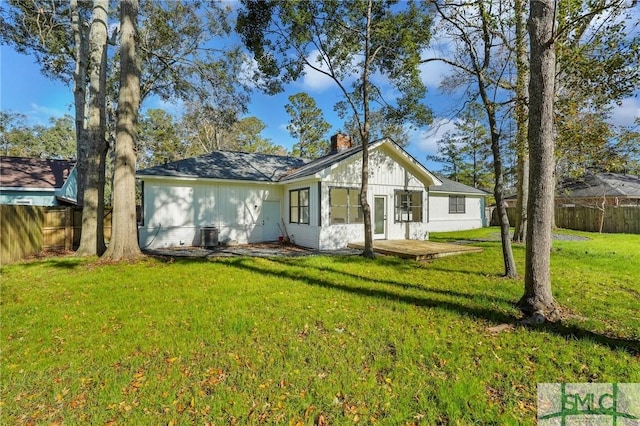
pixel 249 198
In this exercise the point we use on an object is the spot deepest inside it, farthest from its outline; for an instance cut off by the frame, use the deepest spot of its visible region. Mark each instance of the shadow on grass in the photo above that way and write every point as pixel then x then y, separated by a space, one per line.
pixel 401 284
pixel 67 262
pixel 493 315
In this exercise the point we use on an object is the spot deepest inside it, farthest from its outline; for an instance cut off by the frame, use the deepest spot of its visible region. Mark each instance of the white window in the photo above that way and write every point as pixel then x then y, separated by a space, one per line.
pixel 345 206
pixel 408 206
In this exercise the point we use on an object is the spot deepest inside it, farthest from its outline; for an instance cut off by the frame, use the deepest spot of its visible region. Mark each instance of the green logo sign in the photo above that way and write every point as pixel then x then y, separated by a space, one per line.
pixel 589 404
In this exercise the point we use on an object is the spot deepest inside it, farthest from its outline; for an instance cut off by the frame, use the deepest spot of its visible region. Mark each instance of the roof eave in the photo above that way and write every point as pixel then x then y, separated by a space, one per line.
pixel 204 179
pixel 19 188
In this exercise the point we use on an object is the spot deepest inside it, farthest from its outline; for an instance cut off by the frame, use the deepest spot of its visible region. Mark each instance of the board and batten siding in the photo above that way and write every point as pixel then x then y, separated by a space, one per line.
pixel 175 211
pixel 440 220
pixel 386 176
pixel 305 235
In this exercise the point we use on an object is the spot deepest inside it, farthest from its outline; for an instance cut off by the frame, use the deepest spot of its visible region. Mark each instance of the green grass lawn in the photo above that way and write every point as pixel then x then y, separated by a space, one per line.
pixel 297 340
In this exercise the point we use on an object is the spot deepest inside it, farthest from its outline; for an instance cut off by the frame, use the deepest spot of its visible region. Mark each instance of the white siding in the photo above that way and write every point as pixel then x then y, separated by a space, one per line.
pixel 440 220
pixel 302 234
pixel 174 211
pixel 386 176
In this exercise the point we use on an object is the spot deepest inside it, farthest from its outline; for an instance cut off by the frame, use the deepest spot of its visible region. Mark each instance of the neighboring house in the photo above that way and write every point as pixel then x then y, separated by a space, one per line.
pixel 251 198
pixel 614 189
pixel 37 182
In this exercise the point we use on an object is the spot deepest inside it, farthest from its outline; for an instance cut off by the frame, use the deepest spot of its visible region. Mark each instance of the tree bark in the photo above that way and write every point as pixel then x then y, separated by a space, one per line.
pixel 538 298
pixel 92 235
pixel 124 241
pixel 522 150
pixel 81 51
pixel 510 270
pixel 364 135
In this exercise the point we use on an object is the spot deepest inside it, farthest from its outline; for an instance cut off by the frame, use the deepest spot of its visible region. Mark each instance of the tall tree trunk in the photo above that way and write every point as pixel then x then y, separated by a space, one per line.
pixel 481 67
pixel 102 143
pixel 364 136
pixel 538 298
pixel 124 237
pixel 92 236
pixel 81 51
pixel 522 150
pixel 510 270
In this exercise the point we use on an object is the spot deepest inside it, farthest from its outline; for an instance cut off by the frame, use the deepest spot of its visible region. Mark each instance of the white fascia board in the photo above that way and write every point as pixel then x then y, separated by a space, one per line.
pixel 18 188
pixel 313 178
pixel 204 180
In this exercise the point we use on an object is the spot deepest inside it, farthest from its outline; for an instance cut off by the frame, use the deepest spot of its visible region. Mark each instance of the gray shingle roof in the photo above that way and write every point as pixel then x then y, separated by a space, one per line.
pixel 449 185
pixel 252 167
pixel 321 163
pixel 229 165
pixel 601 184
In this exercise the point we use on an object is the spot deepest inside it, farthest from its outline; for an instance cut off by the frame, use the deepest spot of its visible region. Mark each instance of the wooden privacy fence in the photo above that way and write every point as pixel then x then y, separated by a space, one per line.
pixel 62 226
pixel 20 232
pixel 617 219
pixel 27 230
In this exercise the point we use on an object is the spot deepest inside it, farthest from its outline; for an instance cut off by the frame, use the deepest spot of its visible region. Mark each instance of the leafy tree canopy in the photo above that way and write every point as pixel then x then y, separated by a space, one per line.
pixel 20 139
pixel 350 42
pixel 308 126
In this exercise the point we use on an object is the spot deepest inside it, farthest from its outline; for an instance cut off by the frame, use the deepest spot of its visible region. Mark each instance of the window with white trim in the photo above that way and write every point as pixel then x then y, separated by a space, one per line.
pixel 345 206
pixel 408 206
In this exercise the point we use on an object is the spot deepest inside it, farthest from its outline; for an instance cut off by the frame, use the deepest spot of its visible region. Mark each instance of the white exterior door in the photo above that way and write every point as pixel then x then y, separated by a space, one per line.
pixel 380 217
pixel 270 220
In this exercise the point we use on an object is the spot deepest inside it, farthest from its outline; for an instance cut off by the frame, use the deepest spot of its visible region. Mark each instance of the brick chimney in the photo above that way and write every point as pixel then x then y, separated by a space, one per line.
pixel 340 142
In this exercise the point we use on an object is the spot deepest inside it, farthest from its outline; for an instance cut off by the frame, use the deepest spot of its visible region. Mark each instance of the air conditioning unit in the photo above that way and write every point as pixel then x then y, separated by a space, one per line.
pixel 209 236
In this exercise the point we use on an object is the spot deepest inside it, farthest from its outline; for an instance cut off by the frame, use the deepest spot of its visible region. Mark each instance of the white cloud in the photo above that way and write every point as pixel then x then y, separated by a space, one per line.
pixel 45 112
pixel 433 73
pixel 425 141
pixel 627 112
pixel 314 80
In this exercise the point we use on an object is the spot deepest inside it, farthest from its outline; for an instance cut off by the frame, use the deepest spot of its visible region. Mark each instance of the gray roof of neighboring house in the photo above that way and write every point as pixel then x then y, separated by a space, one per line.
pixel 229 165
pixel 38 173
pixel 449 185
pixel 601 184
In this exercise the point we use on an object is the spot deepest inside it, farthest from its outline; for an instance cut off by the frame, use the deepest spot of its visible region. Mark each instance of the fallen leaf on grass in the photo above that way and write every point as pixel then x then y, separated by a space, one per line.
pixel 320 420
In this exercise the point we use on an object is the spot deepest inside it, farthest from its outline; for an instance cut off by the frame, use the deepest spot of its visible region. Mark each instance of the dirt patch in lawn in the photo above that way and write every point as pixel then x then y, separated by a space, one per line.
pixel 254 250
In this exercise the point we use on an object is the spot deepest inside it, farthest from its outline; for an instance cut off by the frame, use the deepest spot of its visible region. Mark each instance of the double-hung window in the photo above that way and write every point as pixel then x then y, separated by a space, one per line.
pixel 345 206
pixel 457 203
pixel 299 206
pixel 408 206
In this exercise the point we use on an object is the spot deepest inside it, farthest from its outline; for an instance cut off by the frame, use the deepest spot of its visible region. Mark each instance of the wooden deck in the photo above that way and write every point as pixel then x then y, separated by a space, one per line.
pixel 417 250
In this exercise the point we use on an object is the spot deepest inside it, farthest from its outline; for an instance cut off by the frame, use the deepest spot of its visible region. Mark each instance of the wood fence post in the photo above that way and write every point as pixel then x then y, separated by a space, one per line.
pixel 68 228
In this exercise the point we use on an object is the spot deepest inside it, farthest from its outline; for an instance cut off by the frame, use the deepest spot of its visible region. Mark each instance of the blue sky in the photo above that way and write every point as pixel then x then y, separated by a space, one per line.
pixel 25 90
